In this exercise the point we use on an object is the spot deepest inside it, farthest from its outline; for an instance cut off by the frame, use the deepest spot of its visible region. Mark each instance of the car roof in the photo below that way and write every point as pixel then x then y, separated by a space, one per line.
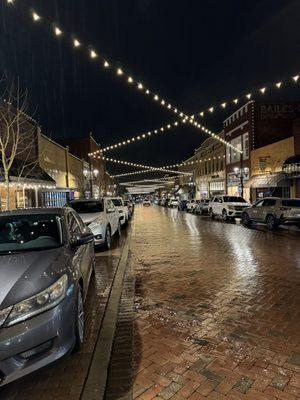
pixel 85 200
pixel 37 210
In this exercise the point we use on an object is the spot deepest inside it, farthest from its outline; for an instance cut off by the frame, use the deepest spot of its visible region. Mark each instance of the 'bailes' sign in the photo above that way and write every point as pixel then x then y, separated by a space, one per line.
pixel 279 110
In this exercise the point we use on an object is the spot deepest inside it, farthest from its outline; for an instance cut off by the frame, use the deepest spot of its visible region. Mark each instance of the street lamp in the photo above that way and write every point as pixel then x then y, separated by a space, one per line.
pixel 241 173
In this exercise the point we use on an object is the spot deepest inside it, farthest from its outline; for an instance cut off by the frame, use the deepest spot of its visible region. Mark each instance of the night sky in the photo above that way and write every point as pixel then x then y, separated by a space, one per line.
pixel 194 53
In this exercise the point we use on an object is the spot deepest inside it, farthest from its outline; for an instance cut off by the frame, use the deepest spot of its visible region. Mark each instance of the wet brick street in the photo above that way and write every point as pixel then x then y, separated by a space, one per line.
pixel 208 310
pixel 217 309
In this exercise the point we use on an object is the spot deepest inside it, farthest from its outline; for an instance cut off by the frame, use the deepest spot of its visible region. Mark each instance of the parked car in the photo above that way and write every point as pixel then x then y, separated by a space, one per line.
pixel 147 202
pixel 101 216
pixel 156 201
pixel 202 206
pixel 173 203
pixel 190 205
pixel 46 262
pixel 122 208
pixel 273 211
pixel 129 205
pixel 228 207
pixel 194 206
pixel 182 205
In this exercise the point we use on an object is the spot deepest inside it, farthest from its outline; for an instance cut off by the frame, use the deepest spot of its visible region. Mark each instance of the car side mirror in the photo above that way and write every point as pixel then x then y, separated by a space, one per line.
pixel 82 239
pixel 110 210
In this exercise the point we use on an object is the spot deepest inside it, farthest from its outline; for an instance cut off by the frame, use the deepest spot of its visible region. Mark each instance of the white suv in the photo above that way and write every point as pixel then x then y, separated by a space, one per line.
pixel 227 207
pixel 101 216
pixel 122 208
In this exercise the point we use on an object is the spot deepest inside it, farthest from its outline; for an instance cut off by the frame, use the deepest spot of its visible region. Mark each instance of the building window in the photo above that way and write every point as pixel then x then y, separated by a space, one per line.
pixel 246 146
pixel 234 154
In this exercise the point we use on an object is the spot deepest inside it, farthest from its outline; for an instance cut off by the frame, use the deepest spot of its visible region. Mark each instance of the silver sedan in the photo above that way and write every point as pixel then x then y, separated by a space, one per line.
pixel 46 261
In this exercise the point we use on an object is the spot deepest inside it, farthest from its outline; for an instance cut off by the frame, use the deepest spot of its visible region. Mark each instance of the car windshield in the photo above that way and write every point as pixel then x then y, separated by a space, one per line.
pixel 117 202
pixel 87 207
pixel 234 199
pixel 291 203
pixel 19 233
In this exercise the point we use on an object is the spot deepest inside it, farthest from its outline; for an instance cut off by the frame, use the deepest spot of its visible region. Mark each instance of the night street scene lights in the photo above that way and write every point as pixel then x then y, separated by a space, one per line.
pixel 241 173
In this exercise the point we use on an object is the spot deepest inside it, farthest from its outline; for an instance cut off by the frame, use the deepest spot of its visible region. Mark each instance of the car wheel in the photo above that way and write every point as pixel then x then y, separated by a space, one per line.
pixel 79 321
pixel 108 237
pixel 224 215
pixel 211 214
pixel 271 222
pixel 245 219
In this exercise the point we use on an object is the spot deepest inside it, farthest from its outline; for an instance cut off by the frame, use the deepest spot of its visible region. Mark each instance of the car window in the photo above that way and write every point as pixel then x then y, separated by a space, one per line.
pixel 216 200
pixel 19 233
pixel 117 202
pixel 109 204
pixel 259 203
pixel 73 225
pixel 269 202
pixel 86 207
pixel 291 203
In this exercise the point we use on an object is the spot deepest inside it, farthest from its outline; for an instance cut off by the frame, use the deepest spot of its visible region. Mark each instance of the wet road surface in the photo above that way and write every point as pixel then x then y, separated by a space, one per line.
pixel 217 309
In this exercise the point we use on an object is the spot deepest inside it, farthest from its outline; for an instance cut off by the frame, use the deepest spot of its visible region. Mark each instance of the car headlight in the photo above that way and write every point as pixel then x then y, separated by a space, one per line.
pixel 39 303
pixel 230 207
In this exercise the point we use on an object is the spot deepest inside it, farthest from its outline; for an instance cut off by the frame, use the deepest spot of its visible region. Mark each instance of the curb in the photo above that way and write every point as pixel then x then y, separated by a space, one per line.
pixel 94 388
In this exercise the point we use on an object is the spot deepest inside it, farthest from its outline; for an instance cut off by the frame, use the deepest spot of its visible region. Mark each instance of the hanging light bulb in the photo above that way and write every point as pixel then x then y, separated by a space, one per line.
pixel 211 109
pixel 140 86
pixel 93 54
pixel 57 31
pixel 130 80
pixel 278 85
pixel 223 105
pixel 76 43
pixel 147 91
pixel 262 90
pixel 236 101
pixel 296 78
pixel 248 96
pixel 120 71
pixel 106 64
pixel 201 114
pixel 35 16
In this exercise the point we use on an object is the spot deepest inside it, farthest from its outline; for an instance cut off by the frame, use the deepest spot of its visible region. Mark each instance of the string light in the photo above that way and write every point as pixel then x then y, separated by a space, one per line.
pixel 76 43
pixel 130 80
pixel 141 136
pixel 131 164
pixel 262 90
pixel 278 85
pixel 35 16
pixel 163 103
pixel 93 54
pixel 57 31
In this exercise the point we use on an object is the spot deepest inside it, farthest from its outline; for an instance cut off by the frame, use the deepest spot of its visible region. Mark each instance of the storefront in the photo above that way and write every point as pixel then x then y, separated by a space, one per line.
pixel 234 187
pixel 271 184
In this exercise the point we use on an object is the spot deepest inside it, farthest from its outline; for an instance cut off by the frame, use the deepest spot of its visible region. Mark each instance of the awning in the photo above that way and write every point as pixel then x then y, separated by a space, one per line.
pixel 278 179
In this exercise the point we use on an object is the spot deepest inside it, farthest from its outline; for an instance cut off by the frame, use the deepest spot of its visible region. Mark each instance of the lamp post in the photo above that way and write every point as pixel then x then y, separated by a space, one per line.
pixel 241 173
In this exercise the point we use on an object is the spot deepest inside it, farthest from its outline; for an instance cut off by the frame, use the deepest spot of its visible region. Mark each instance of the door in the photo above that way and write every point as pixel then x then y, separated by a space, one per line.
pixel 268 207
pixel 256 212
pixel 112 216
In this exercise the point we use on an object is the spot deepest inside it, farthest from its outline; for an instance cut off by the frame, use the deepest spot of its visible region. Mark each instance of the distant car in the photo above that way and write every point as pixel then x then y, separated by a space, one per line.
pixel 122 208
pixel 173 203
pixel 273 211
pixel 190 205
pixel 202 206
pixel 156 201
pixel 182 205
pixel 46 262
pixel 228 207
pixel 147 203
pixel 101 216
pixel 129 205
pixel 165 202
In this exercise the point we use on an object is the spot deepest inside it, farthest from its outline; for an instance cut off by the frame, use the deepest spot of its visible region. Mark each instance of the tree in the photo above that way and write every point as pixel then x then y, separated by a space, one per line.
pixel 18 136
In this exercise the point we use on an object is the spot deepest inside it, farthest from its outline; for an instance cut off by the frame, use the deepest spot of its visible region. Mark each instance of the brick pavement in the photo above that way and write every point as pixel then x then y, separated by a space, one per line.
pixel 64 380
pixel 217 309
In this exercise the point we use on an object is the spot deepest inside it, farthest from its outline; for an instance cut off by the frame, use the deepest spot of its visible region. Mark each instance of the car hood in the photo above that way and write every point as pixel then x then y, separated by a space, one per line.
pixel 25 274
pixel 87 218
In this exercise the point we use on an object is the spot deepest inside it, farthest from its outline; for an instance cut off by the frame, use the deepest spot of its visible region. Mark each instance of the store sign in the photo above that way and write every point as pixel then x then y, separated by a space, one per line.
pixel 280 110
